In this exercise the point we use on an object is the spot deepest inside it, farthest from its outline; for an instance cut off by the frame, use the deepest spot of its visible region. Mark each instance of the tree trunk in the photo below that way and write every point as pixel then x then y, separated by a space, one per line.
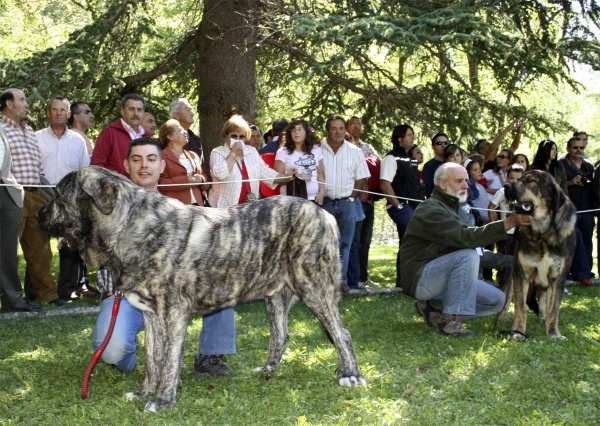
pixel 227 69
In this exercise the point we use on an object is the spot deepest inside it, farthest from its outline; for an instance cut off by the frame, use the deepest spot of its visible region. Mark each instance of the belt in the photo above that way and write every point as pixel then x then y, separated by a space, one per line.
pixel 336 199
pixel 30 189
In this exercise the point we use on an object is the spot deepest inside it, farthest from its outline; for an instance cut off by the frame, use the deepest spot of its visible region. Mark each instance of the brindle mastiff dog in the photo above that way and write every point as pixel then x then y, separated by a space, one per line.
pixel 544 249
pixel 173 261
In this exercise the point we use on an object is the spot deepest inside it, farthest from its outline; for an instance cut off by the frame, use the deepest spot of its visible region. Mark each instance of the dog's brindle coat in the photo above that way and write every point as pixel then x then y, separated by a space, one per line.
pixel 173 261
pixel 545 249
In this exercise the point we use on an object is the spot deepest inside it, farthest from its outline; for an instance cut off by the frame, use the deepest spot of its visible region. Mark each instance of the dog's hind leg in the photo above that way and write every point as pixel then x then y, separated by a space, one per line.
pixel 325 307
pixel 170 368
pixel 278 307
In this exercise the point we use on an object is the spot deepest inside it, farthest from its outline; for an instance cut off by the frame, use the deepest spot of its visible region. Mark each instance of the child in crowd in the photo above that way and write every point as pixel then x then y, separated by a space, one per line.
pixel 499 199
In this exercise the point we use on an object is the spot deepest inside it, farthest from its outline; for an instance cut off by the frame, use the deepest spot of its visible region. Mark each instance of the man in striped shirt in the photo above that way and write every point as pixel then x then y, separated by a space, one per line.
pixel 27 169
pixel 345 171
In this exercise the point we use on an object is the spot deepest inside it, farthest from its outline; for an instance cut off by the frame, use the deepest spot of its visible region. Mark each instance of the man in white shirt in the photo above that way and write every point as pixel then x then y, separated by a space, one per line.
pixel 345 171
pixel 358 274
pixel 63 151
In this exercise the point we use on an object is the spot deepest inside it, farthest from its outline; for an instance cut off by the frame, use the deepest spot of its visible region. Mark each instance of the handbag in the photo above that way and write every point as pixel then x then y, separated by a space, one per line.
pixel 297 188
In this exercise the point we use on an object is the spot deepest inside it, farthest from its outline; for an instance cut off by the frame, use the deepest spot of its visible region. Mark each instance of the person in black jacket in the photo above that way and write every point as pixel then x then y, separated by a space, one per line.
pixel 400 178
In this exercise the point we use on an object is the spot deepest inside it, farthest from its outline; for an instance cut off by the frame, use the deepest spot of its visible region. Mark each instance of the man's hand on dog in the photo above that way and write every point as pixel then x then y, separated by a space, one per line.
pixel 517 219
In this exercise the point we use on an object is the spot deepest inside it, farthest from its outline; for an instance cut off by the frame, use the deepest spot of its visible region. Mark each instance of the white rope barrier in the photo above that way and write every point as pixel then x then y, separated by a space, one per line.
pixel 324 183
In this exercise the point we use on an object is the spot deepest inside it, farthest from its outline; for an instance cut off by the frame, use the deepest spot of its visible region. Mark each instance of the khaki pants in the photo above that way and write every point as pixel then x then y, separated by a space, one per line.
pixel 36 247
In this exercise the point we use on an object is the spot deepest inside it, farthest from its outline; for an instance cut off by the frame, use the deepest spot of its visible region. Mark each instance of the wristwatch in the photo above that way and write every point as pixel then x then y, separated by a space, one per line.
pixel 351 199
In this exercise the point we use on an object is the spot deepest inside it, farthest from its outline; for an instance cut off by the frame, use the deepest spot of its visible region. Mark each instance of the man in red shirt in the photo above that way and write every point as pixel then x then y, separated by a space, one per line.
pixel 113 141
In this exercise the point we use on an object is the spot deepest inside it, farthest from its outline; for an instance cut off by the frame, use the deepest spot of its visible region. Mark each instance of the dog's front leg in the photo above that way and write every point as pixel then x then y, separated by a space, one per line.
pixel 523 278
pixel 170 371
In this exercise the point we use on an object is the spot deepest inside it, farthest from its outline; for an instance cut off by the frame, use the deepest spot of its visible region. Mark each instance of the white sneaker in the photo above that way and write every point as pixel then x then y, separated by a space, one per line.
pixel 368 283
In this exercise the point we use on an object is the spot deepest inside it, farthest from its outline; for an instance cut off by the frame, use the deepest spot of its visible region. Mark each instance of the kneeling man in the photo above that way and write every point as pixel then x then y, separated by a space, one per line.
pixel 438 258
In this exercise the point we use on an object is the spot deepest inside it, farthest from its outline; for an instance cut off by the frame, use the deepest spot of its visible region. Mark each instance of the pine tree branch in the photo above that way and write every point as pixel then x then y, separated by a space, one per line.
pixel 188 48
pixel 303 56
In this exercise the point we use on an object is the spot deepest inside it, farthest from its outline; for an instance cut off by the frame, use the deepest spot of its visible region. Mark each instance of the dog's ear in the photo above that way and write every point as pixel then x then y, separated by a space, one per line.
pixel 103 191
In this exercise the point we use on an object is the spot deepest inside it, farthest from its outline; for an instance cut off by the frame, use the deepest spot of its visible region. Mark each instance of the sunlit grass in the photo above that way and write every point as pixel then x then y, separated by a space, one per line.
pixel 414 376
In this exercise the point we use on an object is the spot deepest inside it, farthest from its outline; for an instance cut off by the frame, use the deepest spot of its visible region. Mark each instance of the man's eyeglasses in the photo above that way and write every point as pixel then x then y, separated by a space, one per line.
pixel 578 147
pixel 439 143
pixel 234 136
pixel 502 157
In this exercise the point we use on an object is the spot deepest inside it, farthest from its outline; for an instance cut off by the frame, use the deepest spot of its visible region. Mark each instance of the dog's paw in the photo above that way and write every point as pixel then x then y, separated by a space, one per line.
pixel 352 381
pixel 266 369
pixel 517 336
pixel 558 337
pixel 151 407
pixel 130 396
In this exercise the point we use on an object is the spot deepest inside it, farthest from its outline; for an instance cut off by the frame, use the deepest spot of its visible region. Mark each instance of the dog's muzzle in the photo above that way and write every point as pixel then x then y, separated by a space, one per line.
pixel 522 208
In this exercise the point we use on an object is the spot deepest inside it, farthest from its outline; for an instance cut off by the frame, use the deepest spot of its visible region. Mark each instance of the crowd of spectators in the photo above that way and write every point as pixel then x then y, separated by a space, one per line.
pixel 337 173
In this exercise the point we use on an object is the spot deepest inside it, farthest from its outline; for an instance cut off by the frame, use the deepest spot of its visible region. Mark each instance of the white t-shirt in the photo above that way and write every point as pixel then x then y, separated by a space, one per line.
pixel 303 163
pixel 499 199
pixel 496 181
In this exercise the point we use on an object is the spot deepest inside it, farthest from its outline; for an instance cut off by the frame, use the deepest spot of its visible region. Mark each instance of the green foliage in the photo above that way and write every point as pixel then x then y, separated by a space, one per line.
pixel 466 67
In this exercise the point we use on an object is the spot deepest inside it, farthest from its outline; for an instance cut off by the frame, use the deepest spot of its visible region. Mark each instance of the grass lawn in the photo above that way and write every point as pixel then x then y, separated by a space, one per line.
pixel 414 376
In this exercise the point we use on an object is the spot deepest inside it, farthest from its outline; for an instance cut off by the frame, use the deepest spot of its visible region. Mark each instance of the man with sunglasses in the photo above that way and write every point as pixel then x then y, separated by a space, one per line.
pixel 580 174
pixel 438 143
pixel 82 120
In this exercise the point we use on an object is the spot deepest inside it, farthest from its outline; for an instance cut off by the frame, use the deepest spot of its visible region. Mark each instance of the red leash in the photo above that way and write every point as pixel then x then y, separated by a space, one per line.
pixel 88 372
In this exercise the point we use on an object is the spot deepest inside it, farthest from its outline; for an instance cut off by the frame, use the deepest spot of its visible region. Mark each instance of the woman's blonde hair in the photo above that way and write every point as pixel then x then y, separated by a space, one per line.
pixel 236 122
pixel 167 130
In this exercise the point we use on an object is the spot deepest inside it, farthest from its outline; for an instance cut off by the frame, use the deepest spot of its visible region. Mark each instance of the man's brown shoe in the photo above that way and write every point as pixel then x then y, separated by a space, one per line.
pixel 450 325
pixel 428 311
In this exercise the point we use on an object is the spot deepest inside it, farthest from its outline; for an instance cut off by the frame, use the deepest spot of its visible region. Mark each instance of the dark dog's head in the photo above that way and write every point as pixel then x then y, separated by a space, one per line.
pixel 84 200
pixel 536 194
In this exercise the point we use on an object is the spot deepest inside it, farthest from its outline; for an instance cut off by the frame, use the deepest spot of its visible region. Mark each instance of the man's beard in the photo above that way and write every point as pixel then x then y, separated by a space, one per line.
pixel 461 198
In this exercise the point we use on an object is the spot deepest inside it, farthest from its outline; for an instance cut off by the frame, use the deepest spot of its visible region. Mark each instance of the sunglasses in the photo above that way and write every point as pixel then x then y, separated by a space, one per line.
pixel 439 143
pixel 234 136
pixel 578 147
pixel 502 157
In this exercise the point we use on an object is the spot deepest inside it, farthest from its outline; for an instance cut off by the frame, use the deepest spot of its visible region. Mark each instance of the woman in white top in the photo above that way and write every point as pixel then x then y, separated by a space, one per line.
pixel 300 154
pixel 235 161
pixel 496 177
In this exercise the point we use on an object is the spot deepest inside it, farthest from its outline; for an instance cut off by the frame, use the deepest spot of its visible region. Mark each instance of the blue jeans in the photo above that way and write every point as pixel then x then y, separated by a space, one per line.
pixel 581 266
pixel 122 346
pixel 401 218
pixel 359 252
pixel 585 223
pixel 218 333
pixel 452 279
pixel 216 338
pixel 345 216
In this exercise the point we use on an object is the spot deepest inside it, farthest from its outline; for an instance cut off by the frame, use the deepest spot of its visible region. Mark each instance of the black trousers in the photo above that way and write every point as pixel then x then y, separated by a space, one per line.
pixel 10 215
pixel 71 273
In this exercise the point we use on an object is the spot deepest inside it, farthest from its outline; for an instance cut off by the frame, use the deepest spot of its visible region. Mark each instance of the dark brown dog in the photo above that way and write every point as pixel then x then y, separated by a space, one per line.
pixel 544 249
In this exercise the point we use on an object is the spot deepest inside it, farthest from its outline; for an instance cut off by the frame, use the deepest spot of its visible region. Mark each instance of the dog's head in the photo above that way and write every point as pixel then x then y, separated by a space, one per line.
pixel 536 194
pixel 84 203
